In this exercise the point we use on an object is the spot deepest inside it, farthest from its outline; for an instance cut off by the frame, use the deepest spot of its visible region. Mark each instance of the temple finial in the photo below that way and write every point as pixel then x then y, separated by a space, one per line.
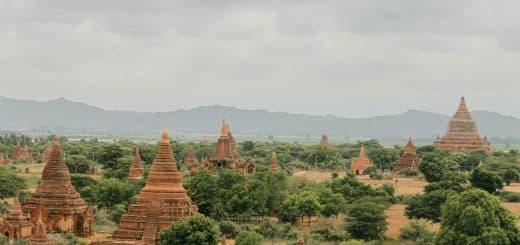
pixel 165 135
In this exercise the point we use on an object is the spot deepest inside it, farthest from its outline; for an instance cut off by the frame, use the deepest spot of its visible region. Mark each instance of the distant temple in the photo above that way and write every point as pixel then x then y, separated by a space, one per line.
pixel 20 153
pixel 136 169
pixel 226 155
pixel 16 225
pixel 273 167
pixel 462 133
pixel 324 139
pixel 190 158
pixel 409 159
pixel 4 160
pixel 57 201
pixel 162 201
pixel 361 162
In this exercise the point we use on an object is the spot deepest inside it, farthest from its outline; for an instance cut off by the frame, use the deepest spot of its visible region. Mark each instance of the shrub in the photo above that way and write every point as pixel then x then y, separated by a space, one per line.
pixel 228 228
pixel 507 196
pixel 249 238
pixel 408 172
pixel 417 230
pixel 375 175
pixel 369 170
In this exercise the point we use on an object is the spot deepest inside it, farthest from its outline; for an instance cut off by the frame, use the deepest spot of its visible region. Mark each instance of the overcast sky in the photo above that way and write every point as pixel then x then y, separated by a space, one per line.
pixel 347 58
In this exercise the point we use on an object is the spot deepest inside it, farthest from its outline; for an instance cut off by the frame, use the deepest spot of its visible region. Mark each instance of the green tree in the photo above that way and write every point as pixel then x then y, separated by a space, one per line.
pixel 366 220
pixel 193 231
pixel 10 183
pixel 332 203
pixel 476 217
pixel 486 180
pixel 249 238
pixel 289 212
pixel 109 192
pixel 383 158
pixel 204 191
pixel 417 231
pixel 78 164
pixel 120 171
pixel 432 166
pixel 108 155
pixel 308 204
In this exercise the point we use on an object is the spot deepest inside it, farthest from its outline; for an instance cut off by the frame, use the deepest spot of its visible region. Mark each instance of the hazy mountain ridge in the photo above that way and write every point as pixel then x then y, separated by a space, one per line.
pixel 73 117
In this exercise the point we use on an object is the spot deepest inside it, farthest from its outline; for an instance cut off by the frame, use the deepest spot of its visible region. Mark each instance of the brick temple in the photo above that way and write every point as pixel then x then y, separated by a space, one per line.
pixel 4 160
pixel 21 153
pixel 190 159
pixel 46 155
pixel 359 164
pixel 409 158
pixel 226 155
pixel 161 202
pixel 136 169
pixel 39 236
pixel 324 140
pixel 62 208
pixel 17 225
pixel 273 167
pixel 462 133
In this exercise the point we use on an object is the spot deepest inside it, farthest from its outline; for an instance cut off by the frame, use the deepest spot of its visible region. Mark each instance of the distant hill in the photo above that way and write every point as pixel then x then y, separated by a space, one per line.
pixel 62 115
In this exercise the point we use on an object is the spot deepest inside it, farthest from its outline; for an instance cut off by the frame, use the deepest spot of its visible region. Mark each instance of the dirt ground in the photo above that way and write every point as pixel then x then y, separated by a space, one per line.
pixel 396 220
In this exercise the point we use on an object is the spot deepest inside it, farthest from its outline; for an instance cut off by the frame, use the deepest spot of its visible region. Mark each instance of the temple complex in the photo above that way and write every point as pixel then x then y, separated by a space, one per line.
pixel 162 201
pixel 25 154
pixel 136 169
pixel 273 167
pixel 226 155
pixel 462 133
pixel 62 209
pixel 46 155
pixel 16 225
pixel 409 158
pixel 4 160
pixel 17 152
pixel 324 140
pixel 359 164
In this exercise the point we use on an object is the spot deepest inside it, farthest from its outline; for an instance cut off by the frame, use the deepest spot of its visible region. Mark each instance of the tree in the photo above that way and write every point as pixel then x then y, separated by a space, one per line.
pixel 486 180
pixel 10 183
pixel 332 203
pixel 267 229
pixel 476 217
pixel 204 191
pixel 78 164
pixel 325 156
pixel 108 155
pixel 109 192
pixel 289 212
pixel 193 231
pixel 308 205
pixel 120 171
pixel 432 166
pixel 427 206
pixel 417 231
pixel 249 238
pixel 228 228
pixel 366 220
pixel 383 158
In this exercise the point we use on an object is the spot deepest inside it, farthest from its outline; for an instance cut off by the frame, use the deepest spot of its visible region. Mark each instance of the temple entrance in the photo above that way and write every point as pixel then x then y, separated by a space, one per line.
pixel 357 172
pixel 6 234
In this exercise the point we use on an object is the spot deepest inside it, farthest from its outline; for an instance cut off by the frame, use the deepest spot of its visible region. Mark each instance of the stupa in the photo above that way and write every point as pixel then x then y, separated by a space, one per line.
pixel 4 160
pixel 63 209
pixel 16 225
pixel 190 158
pixel 162 201
pixel 46 155
pixel 324 140
pixel 25 154
pixel 226 155
pixel 136 169
pixel 462 133
pixel 17 151
pixel 409 158
pixel 273 167
pixel 359 164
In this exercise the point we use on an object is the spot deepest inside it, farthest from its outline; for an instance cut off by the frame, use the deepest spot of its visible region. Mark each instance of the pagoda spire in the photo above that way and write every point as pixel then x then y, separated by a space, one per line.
pixel 224 131
pixel 273 167
pixel 462 111
pixel 136 169
pixel 16 209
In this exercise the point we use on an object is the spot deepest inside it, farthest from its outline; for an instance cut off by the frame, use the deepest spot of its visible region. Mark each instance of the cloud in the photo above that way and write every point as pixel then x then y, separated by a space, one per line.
pixel 349 58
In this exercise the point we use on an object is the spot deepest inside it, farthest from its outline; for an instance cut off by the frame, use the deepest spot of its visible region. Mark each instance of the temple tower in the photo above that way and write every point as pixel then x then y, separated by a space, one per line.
pixel 273 167
pixel 226 155
pixel 136 169
pixel 462 133
pixel 409 158
pixel 359 164
pixel 324 139
pixel 64 209
pixel 190 158
pixel 162 201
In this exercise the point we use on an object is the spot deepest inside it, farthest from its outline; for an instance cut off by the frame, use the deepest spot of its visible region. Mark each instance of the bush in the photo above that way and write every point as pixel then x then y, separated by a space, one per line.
pixel 353 242
pixel 376 176
pixel 507 196
pixel 249 238
pixel 228 228
pixel 369 170
pixel 408 172
pixel 417 230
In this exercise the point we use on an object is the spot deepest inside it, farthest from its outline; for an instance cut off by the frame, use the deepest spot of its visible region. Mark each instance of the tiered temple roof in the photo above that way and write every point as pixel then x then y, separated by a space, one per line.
pixel 409 158
pixel 361 162
pixel 273 167
pixel 17 151
pixel 17 225
pixel 25 154
pixel 190 158
pixel 39 236
pixel 65 210
pixel 462 133
pixel 162 201
pixel 226 155
pixel 136 169
pixel 4 160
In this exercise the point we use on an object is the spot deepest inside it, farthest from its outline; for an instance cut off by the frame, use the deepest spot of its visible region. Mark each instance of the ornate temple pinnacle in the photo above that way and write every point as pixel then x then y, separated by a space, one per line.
pixel 165 136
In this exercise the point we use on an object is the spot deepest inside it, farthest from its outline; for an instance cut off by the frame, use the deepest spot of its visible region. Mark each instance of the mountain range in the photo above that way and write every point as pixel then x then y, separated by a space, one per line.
pixel 65 116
